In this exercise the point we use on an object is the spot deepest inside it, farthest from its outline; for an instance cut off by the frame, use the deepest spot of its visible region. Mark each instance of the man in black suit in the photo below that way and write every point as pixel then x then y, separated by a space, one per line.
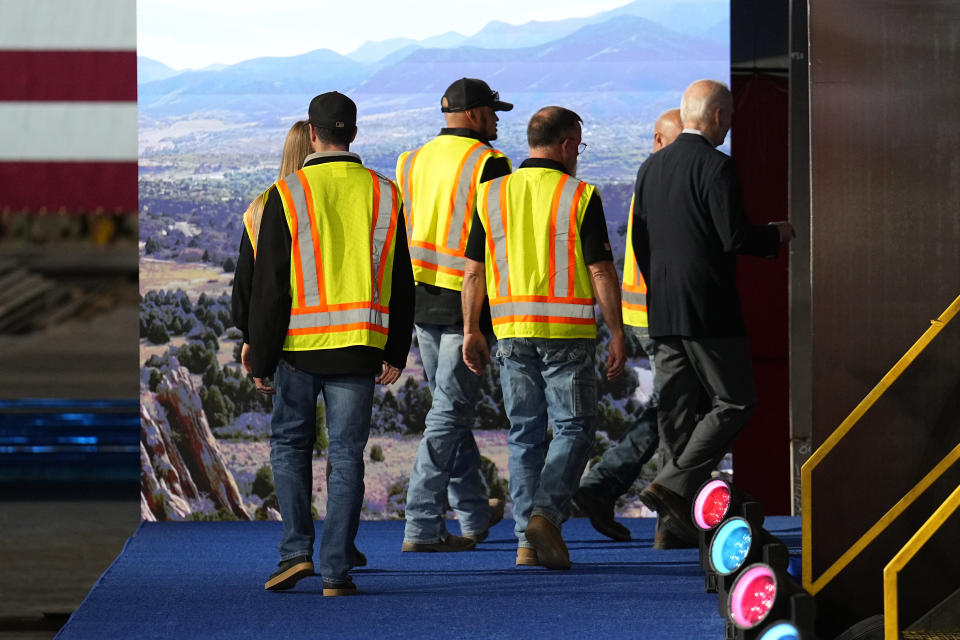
pixel 689 226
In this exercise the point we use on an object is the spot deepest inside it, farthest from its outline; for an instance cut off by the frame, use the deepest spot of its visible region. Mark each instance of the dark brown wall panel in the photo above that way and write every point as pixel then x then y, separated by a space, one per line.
pixel 884 261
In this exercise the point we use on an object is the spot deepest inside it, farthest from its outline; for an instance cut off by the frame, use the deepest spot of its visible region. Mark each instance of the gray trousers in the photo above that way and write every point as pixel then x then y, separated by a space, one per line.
pixel 707 394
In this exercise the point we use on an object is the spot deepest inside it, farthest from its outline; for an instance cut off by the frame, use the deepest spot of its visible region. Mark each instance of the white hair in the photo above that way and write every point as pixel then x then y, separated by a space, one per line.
pixel 701 99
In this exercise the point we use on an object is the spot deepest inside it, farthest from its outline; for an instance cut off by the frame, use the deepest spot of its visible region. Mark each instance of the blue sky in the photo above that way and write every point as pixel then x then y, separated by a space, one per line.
pixel 196 33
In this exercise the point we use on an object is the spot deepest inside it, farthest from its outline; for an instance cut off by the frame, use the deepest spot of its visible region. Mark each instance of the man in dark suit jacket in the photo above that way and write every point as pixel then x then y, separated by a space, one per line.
pixel 689 226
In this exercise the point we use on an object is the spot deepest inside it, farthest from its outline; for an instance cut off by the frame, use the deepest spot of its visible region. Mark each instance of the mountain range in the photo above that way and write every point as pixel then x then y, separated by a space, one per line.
pixel 613 51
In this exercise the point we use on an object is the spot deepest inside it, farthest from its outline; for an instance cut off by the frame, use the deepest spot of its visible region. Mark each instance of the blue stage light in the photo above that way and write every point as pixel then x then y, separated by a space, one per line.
pixel 781 631
pixel 730 546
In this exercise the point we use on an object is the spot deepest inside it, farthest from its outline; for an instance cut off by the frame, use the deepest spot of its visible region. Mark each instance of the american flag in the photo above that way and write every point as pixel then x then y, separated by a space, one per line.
pixel 68 105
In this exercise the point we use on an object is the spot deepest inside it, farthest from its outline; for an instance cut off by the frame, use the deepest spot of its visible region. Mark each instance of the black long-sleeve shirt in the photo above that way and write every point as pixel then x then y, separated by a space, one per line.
pixel 262 301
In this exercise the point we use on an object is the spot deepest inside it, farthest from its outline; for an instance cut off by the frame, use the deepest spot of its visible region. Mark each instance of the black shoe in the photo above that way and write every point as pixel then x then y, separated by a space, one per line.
pixel 601 515
pixel 449 543
pixel 357 559
pixel 673 511
pixel 289 573
pixel 343 587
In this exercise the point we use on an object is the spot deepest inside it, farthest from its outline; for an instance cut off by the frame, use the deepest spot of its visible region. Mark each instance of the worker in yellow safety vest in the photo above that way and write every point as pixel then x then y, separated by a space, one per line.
pixel 539 250
pixel 331 311
pixel 621 464
pixel 439 182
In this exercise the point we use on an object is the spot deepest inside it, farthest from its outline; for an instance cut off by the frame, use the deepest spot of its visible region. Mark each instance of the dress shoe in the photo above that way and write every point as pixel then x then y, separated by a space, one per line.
pixel 447 544
pixel 601 515
pixel 357 559
pixel 548 543
pixel 527 557
pixel 289 572
pixel 673 511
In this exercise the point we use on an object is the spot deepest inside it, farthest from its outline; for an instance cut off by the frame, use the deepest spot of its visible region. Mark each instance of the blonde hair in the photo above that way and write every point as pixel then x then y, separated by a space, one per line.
pixel 296 147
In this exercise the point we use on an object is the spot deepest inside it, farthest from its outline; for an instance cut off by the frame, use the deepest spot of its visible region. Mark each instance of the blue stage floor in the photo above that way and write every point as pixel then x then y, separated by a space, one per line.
pixel 205 580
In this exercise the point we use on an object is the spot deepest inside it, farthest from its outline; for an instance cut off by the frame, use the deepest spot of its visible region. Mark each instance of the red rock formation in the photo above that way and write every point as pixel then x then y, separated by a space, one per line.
pixel 180 457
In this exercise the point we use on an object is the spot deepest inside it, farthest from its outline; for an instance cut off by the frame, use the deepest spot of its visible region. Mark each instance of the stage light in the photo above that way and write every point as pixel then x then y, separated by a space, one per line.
pixel 714 502
pixel 781 631
pixel 765 603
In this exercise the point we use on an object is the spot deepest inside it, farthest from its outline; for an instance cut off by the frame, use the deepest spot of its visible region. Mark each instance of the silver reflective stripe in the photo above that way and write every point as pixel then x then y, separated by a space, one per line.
pixel 334 318
pixel 497 233
pixel 631 297
pixel 384 222
pixel 442 259
pixel 561 255
pixel 552 309
pixel 462 201
pixel 308 262
pixel 407 170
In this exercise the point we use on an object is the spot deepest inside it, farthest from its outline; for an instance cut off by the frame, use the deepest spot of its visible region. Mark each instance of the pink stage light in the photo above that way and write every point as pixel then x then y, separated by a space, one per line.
pixel 711 505
pixel 752 596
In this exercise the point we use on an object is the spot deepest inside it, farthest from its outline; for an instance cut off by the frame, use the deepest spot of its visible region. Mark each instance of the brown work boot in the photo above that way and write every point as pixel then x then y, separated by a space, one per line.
pixel 663 539
pixel 673 511
pixel 527 557
pixel 551 550
pixel 496 515
pixel 447 544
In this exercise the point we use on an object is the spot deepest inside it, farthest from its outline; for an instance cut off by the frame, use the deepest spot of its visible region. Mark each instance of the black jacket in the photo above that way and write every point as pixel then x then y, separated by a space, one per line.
pixel 689 225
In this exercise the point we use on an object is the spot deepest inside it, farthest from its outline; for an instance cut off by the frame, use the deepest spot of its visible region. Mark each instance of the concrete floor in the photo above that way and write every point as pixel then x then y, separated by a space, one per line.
pixel 51 552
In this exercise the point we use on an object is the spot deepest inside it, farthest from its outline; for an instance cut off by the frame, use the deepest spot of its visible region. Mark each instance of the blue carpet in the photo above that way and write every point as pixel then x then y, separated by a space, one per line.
pixel 205 580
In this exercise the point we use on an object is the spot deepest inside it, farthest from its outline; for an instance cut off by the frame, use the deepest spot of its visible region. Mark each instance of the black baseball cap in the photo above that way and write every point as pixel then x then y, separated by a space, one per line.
pixel 333 110
pixel 467 93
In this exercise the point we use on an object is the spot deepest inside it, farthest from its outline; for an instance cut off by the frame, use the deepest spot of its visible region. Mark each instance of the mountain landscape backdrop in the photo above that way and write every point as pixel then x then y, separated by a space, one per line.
pixel 210 141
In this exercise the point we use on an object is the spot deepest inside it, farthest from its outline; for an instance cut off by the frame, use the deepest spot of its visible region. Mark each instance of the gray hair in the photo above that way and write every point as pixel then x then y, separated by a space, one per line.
pixel 701 99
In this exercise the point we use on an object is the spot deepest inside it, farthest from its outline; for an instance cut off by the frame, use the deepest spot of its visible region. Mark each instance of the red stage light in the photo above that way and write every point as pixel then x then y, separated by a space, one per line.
pixel 753 596
pixel 712 504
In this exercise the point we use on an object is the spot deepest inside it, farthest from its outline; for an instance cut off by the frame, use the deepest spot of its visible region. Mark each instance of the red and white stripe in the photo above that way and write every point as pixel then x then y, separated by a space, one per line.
pixel 68 105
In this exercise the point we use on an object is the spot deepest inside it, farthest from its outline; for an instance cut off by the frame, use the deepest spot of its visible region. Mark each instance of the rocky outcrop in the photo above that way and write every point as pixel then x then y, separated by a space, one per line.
pixel 180 458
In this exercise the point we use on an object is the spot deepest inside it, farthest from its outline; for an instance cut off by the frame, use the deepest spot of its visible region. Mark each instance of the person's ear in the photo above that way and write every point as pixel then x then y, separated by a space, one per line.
pixel 354 136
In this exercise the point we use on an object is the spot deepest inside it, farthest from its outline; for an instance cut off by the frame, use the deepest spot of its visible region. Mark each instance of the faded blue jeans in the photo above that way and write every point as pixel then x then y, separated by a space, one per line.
pixel 544 378
pixel 621 464
pixel 293 431
pixel 447 465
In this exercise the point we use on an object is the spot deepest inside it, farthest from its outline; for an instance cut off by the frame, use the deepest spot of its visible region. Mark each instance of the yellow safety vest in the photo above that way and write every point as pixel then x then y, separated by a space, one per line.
pixel 342 219
pixel 439 182
pixel 633 301
pixel 537 281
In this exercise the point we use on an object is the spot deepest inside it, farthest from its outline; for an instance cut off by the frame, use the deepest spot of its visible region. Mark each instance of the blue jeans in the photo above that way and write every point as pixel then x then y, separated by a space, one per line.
pixel 544 378
pixel 447 465
pixel 349 402
pixel 621 464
